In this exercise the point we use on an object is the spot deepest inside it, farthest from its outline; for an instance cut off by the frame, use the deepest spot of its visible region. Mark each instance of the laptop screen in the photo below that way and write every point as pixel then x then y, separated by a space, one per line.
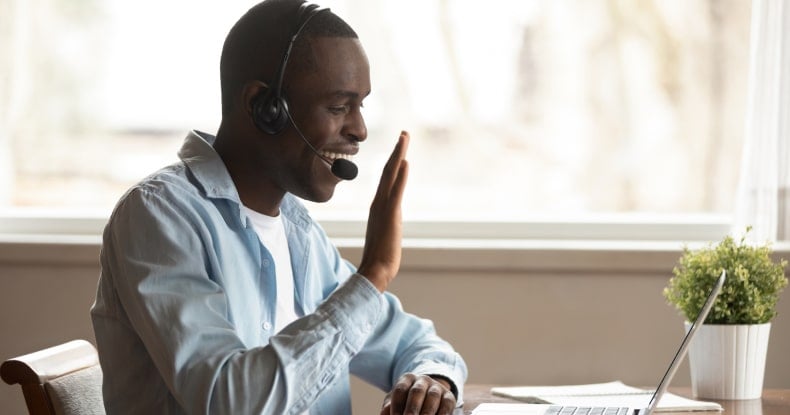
pixel 673 367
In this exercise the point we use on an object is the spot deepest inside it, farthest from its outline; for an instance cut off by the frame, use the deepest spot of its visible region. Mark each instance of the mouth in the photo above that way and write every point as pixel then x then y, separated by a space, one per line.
pixel 330 155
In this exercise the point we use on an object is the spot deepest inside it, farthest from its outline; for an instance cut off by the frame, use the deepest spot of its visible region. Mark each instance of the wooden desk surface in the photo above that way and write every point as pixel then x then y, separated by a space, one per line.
pixel 773 402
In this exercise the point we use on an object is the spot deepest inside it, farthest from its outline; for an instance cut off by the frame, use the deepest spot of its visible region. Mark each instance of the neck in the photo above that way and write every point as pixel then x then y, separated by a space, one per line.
pixel 255 189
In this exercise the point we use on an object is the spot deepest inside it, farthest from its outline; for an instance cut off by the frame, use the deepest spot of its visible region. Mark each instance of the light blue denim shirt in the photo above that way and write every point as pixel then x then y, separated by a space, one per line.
pixel 185 307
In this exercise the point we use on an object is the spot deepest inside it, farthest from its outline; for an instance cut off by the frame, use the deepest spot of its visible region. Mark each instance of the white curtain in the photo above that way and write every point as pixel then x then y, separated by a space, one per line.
pixel 763 196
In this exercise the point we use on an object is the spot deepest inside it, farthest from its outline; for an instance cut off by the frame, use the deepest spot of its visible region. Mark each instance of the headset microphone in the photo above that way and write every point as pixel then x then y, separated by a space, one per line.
pixel 341 168
pixel 344 169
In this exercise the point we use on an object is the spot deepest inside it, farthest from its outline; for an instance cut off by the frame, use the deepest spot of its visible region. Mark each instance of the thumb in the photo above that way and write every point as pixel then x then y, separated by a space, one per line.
pixel 385 408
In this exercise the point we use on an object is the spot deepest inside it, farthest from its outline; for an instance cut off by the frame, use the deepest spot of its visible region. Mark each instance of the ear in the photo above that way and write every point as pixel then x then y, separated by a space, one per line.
pixel 250 91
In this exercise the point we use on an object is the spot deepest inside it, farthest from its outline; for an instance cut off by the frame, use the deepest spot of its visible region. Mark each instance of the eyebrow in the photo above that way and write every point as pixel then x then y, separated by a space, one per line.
pixel 348 94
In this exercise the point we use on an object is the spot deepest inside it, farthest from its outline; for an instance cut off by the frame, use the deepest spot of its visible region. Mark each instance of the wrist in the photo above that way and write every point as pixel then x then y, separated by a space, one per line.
pixel 447 383
pixel 381 283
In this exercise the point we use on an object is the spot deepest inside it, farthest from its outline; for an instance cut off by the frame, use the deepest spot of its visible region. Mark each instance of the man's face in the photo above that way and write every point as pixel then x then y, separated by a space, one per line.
pixel 325 104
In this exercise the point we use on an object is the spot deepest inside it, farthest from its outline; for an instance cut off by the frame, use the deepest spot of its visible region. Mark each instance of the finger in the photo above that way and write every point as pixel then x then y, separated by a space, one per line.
pixel 448 403
pixel 398 188
pixel 399 152
pixel 385 407
pixel 400 394
pixel 433 399
pixel 392 167
pixel 417 395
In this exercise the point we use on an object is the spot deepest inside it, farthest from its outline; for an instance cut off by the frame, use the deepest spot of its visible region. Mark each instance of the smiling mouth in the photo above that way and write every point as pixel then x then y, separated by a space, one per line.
pixel 334 156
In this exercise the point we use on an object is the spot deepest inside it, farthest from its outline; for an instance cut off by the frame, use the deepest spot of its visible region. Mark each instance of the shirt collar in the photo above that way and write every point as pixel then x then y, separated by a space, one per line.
pixel 198 154
pixel 209 170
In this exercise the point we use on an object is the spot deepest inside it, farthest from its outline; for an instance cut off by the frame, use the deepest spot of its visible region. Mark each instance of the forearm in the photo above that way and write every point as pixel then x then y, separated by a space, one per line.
pixel 208 369
pixel 309 354
pixel 403 343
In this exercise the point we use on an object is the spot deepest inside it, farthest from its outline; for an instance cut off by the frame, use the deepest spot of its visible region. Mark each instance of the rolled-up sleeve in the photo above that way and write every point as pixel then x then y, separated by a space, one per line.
pixel 403 343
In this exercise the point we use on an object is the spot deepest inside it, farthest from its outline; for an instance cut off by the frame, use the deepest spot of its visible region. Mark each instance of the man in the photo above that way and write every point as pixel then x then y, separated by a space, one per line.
pixel 219 294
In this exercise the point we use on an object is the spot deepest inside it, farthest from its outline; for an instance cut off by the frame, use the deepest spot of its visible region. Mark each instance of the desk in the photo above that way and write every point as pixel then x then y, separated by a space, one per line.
pixel 774 401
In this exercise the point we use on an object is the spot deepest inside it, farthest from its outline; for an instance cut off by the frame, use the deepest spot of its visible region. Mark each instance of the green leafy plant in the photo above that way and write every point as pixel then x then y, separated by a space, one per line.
pixel 750 292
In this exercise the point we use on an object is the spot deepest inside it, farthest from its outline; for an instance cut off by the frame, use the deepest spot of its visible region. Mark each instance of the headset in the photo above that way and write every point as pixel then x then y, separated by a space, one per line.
pixel 270 109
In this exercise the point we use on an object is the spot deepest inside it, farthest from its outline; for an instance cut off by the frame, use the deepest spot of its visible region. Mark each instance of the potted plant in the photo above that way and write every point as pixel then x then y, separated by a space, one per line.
pixel 727 358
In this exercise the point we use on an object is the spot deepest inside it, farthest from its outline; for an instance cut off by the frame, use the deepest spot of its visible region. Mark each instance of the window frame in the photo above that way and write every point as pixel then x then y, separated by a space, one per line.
pixel 605 244
pixel 24 223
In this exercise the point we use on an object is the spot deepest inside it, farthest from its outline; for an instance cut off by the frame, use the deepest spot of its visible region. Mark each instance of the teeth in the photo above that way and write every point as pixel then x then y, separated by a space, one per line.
pixel 335 156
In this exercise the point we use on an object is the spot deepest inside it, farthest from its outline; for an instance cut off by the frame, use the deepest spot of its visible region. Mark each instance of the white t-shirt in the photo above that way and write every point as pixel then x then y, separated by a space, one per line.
pixel 271 232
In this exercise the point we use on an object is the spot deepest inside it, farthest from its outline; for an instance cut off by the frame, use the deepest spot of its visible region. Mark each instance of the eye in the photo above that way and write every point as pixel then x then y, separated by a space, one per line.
pixel 339 109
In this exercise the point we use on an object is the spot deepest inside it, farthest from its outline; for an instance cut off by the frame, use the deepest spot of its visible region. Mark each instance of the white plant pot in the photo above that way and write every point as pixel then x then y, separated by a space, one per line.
pixel 728 360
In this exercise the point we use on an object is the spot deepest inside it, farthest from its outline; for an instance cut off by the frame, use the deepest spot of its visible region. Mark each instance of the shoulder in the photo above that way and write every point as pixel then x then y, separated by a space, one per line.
pixel 166 193
pixel 165 183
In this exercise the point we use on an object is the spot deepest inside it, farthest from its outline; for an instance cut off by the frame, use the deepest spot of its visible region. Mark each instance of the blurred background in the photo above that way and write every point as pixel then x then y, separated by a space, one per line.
pixel 517 108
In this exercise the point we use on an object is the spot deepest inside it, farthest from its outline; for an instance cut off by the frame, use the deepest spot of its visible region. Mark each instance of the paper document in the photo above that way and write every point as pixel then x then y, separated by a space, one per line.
pixel 602 394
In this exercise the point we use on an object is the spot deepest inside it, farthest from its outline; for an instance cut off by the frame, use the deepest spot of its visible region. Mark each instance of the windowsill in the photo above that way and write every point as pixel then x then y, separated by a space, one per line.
pixel 618 243
pixel 540 255
pixel 457 255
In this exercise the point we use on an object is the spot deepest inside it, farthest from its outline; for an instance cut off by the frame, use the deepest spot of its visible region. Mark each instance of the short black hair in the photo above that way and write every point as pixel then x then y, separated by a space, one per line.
pixel 254 47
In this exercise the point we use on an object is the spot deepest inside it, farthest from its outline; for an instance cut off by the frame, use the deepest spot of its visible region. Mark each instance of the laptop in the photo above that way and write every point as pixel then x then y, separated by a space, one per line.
pixel 547 409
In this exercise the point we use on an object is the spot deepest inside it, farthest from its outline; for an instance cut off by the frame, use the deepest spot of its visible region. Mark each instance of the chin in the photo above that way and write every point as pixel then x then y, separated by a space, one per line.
pixel 323 198
pixel 319 195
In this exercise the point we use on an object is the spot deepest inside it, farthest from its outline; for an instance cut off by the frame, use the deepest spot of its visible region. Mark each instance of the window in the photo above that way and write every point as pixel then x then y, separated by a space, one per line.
pixel 518 109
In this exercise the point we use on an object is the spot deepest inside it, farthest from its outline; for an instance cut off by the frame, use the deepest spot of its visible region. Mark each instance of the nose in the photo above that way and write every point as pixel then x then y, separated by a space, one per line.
pixel 355 128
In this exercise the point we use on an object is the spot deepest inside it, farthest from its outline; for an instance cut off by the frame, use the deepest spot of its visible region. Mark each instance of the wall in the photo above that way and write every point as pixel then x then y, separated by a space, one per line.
pixel 518 314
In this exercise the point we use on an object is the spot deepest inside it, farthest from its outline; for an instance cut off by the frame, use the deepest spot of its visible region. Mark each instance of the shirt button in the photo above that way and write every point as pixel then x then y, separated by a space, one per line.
pixel 265 262
pixel 266 325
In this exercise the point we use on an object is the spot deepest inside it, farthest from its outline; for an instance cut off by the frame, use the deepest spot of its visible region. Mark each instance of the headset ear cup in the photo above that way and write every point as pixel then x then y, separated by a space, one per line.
pixel 270 113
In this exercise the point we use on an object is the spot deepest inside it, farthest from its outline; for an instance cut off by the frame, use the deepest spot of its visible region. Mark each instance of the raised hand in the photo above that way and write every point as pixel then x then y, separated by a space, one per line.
pixel 382 253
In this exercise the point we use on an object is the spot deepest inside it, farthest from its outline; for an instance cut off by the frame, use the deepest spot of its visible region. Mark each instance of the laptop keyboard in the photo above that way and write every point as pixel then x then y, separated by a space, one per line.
pixel 573 410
